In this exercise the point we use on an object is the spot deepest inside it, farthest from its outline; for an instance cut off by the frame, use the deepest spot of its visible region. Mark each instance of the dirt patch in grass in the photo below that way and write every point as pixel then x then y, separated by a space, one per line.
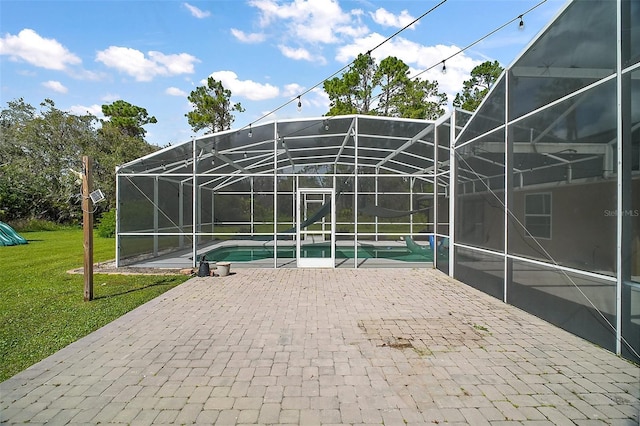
pixel 110 268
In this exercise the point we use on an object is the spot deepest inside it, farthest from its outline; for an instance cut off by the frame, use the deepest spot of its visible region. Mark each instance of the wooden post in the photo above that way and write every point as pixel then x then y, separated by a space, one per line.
pixel 87 227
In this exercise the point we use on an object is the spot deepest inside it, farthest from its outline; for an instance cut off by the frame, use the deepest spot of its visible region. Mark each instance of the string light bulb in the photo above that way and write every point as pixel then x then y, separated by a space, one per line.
pixel 299 104
pixel 444 68
pixel 521 24
pixel 250 134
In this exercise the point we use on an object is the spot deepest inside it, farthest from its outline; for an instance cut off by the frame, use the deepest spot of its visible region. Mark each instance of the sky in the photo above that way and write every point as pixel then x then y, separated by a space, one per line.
pixel 83 54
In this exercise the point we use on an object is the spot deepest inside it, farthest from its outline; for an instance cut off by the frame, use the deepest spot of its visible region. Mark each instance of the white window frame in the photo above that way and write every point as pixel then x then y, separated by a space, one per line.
pixel 527 215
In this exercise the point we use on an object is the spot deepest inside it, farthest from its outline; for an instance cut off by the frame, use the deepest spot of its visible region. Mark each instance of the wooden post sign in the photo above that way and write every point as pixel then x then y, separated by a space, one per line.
pixel 87 227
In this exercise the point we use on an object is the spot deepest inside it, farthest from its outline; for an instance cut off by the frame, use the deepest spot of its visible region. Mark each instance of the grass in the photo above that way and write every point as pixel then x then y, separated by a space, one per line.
pixel 41 305
pixel 480 327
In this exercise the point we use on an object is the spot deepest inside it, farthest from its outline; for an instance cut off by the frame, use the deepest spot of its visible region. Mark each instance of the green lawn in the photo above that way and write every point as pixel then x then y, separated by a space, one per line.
pixel 41 306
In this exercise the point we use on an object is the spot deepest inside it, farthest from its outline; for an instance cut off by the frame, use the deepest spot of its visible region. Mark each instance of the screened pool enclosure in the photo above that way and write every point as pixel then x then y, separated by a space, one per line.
pixel 331 191
pixel 533 199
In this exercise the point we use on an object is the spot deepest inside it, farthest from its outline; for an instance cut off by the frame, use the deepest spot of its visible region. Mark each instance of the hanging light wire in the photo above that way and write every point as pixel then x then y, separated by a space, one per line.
pixel 441 63
pixel 438 63
pixel 489 34
pixel 349 64
pixel 408 25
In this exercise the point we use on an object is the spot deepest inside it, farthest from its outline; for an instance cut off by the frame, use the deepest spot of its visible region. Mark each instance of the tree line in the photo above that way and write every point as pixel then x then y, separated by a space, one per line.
pixel 41 153
pixel 41 148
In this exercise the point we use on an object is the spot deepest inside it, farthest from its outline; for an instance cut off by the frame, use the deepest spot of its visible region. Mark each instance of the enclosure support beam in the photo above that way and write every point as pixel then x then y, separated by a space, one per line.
pixel 407 144
pixel 199 212
pixel 623 170
pixel 453 182
pixel 295 183
pixel 375 218
pixel 275 195
pixel 508 191
pixel 117 219
pixel 435 217
pixel 620 177
pixel 181 213
pixel 155 216
pixel 411 182
pixel 355 200
pixel 344 143
pixel 213 212
pixel 194 203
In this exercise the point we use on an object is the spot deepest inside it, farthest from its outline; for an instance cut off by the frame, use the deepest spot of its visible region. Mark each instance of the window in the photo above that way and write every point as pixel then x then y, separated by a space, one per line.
pixel 537 215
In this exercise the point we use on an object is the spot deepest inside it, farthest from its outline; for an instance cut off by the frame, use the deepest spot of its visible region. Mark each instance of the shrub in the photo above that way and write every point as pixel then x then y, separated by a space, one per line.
pixel 107 224
pixel 36 225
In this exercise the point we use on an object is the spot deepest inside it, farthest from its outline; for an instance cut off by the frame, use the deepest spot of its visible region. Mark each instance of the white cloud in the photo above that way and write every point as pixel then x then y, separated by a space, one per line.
pixel 30 47
pixel 385 18
pixel 300 54
pixel 200 14
pixel 81 74
pixel 27 73
pixel 56 86
pixel 94 109
pixel 248 38
pixel 110 97
pixel 313 21
pixel 129 61
pixel 245 88
pixel 349 52
pixel 134 63
pixel 181 63
pixel 291 90
pixel 353 31
pixel 174 91
pixel 318 98
pixel 304 27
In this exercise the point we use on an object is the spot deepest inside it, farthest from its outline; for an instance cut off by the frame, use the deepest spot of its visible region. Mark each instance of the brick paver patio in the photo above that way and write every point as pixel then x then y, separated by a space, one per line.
pixel 293 346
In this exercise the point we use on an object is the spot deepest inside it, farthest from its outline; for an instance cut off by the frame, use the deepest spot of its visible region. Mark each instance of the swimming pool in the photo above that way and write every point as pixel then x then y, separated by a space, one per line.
pixel 259 252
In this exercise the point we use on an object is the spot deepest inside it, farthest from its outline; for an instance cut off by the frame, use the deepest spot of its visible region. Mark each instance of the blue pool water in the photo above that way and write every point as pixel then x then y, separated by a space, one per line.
pixel 259 252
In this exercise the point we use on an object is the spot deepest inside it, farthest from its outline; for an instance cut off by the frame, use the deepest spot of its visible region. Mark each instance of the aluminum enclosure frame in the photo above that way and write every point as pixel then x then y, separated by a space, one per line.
pixel 534 198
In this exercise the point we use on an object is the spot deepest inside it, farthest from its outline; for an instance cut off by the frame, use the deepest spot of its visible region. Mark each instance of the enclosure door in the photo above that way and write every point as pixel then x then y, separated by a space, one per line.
pixel 315 228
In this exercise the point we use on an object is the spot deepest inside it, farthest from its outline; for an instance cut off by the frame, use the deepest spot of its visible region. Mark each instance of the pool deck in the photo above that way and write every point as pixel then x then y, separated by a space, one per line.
pixel 364 346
